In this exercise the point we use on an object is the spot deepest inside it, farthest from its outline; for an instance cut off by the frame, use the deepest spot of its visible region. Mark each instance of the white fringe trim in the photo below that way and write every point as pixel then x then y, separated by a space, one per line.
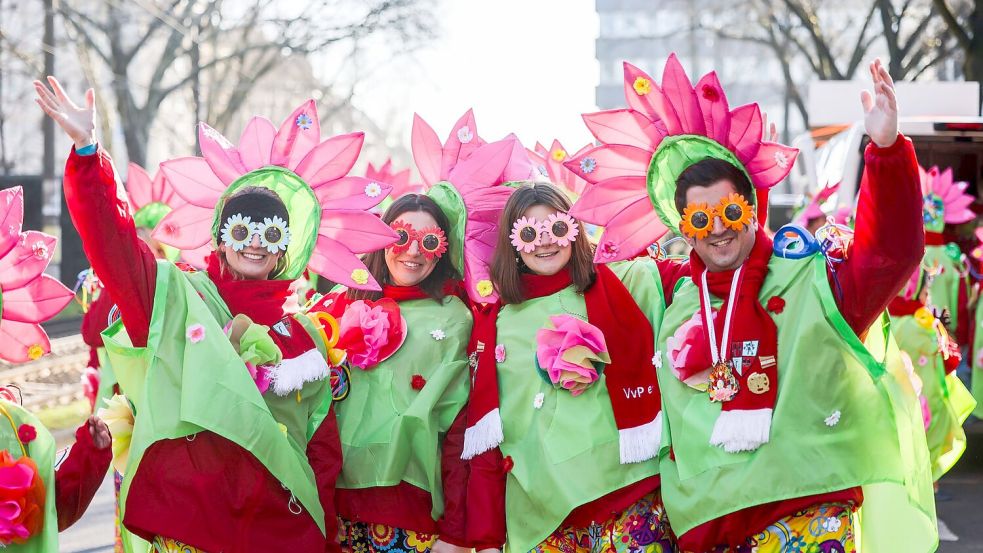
pixel 742 430
pixel 641 443
pixel 291 374
pixel 483 435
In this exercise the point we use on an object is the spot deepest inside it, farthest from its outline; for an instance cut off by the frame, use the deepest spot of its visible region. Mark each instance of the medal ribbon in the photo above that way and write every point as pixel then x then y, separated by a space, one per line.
pixel 718 354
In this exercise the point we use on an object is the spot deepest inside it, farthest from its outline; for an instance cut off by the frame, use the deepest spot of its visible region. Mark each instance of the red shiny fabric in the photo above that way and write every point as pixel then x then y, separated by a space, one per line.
pixel 79 477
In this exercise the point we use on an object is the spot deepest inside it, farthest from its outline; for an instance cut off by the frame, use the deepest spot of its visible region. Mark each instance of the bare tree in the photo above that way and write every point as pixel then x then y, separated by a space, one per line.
pixel 964 19
pixel 156 48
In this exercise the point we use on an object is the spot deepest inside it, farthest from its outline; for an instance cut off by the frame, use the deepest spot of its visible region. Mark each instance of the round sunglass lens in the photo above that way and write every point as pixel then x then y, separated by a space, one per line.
pixel 700 220
pixel 404 237
pixel 560 229
pixel 733 212
pixel 528 234
pixel 431 242
pixel 239 233
pixel 273 235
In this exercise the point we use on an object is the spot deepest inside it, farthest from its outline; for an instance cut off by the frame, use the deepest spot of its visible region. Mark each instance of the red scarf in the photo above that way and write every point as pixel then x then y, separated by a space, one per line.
pixel 265 302
pixel 630 377
pixel 900 307
pixel 745 421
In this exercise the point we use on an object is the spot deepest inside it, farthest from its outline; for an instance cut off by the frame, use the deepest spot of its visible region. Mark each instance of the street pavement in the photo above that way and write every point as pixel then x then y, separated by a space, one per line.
pixel 960 506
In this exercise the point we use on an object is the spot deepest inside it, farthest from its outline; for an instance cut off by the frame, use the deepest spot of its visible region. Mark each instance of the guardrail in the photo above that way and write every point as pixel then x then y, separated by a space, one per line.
pixel 54 379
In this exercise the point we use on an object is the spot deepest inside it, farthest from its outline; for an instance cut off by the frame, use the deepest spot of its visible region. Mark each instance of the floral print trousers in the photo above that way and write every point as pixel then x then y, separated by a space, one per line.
pixel 641 528
pixel 361 537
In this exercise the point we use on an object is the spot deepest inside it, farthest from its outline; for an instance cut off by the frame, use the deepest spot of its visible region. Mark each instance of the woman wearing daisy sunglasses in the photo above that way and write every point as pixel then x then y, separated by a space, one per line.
pixel 232 447
pixel 580 467
pixel 401 416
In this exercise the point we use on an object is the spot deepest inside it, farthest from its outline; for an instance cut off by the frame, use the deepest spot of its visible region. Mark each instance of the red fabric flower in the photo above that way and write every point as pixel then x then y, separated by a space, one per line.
pixel 418 382
pixel 775 305
pixel 26 433
pixel 710 93
pixel 507 464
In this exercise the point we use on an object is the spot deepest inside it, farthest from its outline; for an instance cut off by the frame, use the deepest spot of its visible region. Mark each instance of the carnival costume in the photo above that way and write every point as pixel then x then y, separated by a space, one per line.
pixel 934 356
pixel 38 500
pixel 225 377
pixel 549 164
pixel 398 180
pixel 779 416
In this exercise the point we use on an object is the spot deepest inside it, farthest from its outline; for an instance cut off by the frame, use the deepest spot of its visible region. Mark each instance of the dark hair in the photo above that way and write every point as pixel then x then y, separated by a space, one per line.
pixel 505 267
pixel 443 271
pixel 252 198
pixel 707 172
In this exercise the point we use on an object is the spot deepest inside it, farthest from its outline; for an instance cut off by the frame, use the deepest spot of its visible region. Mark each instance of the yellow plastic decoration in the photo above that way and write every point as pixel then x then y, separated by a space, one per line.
pixel 924 318
pixel 559 155
pixel 642 86
pixel 35 352
pixel 321 321
pixel 485 288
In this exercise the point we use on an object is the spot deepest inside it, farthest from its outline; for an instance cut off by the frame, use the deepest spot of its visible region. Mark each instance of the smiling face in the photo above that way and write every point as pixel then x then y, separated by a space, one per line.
pixel 548 258
pixel 723 249
pixel 411 267
pixel 252 262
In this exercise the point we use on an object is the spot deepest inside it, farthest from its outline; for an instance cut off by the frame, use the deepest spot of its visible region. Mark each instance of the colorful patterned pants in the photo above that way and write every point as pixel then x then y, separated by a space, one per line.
pixel 361 537
pixel 641 528
pixel 827 528
pixel 168 545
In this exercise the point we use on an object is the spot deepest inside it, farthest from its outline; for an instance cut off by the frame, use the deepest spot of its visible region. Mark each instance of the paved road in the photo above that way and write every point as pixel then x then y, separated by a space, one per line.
pixel 962 511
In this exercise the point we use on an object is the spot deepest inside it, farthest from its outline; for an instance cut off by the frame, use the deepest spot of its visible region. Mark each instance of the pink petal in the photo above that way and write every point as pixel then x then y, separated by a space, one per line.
pixel 765 169
pixel 745 132
pixel 625 126
pixel 350 193
pixel 162 191
pixel 331 159
pixel 541 150
pixel 632 231
pixel 138 186
pixel 651 104
pixel 11 217
pixel 292 143
pixel 360 231
pixel 426 150
pixel 335 262
pixel 220 154
pixel 400 180
pixel 481 239
pixel 713 105
pixel 21 264
pixel 606 199
pixel 17 338
pixel 681 97
pixel 611 160
pixel 194 180
pixel 186 228
pixel 196 257
pixel 519 166
pixel 454 150
pixel 256 143
pixel 485 167
pixel 36 301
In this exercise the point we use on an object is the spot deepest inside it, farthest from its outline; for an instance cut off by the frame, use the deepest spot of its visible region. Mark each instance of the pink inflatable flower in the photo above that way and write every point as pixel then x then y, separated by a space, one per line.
pixel 689 352
pixel 21 499
pixel 549 163
pixel 570 351
pixel 330 219
pixel 398 180
pixel 27 295
pixel 370 332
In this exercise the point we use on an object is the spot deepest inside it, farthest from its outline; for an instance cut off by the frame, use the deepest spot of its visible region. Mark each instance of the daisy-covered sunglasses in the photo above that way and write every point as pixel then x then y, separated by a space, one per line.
pixel 431 240
pixel 239 230
pixel 734 212
pixel 559 228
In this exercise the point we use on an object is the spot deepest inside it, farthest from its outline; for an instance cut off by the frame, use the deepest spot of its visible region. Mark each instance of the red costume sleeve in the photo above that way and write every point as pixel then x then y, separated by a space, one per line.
pixel 964 319
pixel 671 270
pixel 486 501
pixel 324 455
pixel 79 477
pixel 889 239
pixel 123 262
pixel 93 323
pixel 454 475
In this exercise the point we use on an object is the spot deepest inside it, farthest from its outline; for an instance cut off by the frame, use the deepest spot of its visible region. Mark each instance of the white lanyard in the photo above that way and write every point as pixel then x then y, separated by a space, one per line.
pixel 718 354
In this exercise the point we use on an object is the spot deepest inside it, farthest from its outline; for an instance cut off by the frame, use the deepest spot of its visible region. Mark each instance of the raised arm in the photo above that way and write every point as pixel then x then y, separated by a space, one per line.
pixel 101 214
pixel 889 239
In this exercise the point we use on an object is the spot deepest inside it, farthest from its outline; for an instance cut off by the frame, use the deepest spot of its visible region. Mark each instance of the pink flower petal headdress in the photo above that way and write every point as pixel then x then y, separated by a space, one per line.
pixel 645 147
pixel 466 177
pixel 946 201
pixel 329 210
pixel 27 295
pixel 549 164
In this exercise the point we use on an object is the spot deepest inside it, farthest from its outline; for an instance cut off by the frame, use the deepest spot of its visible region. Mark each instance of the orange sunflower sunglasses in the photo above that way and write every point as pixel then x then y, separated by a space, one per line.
pixel 734 212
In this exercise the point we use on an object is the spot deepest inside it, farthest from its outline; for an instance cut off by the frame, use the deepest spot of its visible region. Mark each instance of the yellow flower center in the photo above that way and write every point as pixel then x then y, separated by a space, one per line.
pixel 642 86
pixel 485 288
pixel 559 154
pixel 360 276
pixel 35 352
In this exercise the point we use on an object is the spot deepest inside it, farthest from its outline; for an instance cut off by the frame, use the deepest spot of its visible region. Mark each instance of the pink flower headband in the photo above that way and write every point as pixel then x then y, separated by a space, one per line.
pixel 559 228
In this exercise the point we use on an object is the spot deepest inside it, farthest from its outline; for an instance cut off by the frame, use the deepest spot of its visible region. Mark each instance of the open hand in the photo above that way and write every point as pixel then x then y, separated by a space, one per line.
pixel 880 107
pixel 101 437
pixel 79 123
